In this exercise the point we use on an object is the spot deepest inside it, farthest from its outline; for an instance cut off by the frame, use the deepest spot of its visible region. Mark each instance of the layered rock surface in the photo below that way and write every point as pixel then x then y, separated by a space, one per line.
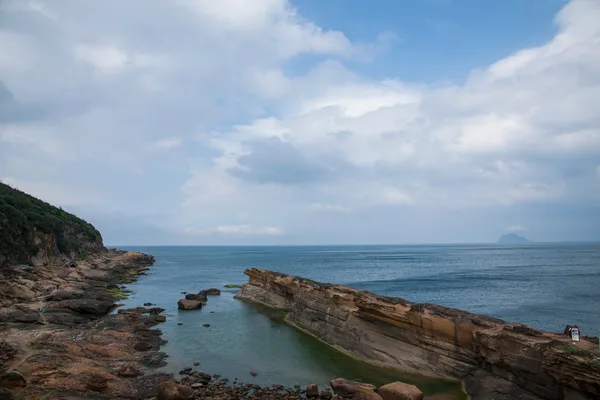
pixel 495 359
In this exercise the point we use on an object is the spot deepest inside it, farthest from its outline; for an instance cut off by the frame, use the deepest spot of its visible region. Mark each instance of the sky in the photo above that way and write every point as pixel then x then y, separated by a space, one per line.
pixel 275 122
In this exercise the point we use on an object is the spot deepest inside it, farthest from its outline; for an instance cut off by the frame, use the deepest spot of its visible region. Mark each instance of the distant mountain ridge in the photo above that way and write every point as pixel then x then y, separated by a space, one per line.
pixel 512 238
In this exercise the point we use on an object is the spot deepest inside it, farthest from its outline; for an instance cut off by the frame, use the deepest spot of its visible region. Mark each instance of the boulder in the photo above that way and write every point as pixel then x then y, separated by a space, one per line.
pixel 129 371
pixel 191 296
pixel 169 390
pixel 12 380
pixel 112 286
pixel 184 304
pixel 212 292
pixel 400 391
pixel 161 318
pixel 312 390
pixel 326 395
pixel 345 387
pixel 363 393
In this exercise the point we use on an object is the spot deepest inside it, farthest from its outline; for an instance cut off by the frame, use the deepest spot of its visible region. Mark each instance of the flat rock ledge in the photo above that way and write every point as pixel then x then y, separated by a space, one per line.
pixel 493 358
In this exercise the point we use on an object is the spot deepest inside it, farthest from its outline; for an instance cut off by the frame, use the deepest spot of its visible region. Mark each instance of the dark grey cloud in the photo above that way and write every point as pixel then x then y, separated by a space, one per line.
pixel 272 160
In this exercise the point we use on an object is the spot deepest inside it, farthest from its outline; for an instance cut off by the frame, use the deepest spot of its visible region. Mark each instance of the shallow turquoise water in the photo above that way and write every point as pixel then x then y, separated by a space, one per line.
pixel 546 286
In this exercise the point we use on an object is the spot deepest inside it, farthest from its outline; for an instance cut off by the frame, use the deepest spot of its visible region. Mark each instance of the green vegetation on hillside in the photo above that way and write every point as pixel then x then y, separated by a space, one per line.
pixel 21 215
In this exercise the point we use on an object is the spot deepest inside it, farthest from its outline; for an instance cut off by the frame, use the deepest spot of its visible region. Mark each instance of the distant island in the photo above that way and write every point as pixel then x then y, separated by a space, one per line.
pixel 511 238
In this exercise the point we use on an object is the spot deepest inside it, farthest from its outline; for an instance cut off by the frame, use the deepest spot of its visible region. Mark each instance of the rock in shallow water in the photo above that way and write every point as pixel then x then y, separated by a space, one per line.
pixel 184 304
pixel 345 387
pixel 312 390
pixel 400 391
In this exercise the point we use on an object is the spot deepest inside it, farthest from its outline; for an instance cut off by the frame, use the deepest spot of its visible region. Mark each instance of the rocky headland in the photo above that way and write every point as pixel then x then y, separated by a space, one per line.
pixel 493 358
pixel 58 286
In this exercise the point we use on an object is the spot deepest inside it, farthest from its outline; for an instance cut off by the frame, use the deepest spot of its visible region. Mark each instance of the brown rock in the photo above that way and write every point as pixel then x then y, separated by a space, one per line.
pixel 345 387
pixel 129 371
pixel 253 373
pixel 196 363
pixel 400 391
pixel 161 318
pixel 184 304
pixel 169 390
pixel 312 390
pixel 326 395
pixel 206 325
pixel 212 292
pixel 12 380
pixel 363 393
pixel 97 383
pixel 499 359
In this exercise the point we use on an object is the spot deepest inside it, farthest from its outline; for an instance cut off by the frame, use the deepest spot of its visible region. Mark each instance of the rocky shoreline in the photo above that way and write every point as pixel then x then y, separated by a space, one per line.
pixel 493 358
pixel 58 340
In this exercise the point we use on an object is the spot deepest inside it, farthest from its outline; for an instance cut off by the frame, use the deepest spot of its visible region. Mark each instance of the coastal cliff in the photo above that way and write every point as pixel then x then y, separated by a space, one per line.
pixel 495 359
pixel 33 232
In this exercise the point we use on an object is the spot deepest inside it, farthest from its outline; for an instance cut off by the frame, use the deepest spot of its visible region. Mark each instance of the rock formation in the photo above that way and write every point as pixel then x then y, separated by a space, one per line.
pixel 495 359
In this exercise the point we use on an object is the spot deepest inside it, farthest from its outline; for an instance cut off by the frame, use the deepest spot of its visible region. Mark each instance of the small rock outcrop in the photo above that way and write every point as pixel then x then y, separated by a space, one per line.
pixel 400 391
pixel 354 390
pixel 312 391
pixel 184 304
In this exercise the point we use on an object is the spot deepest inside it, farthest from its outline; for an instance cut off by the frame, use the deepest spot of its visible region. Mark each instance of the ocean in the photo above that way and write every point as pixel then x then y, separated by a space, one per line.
pixel 545 286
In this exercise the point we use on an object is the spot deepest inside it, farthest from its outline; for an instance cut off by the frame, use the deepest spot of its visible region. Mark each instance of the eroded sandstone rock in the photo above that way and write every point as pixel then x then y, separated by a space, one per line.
pixel 492 357
pixel 346 387
pixel 400 391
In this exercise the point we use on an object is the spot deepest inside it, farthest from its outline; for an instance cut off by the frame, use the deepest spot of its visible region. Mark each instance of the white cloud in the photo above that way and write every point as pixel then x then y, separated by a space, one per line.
pixel 236 230
pixel 103 58
pixel 330 207
pixel 208 118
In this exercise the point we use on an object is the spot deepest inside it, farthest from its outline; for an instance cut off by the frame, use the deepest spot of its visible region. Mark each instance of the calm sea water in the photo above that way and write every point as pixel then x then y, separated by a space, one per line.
pixel 545 286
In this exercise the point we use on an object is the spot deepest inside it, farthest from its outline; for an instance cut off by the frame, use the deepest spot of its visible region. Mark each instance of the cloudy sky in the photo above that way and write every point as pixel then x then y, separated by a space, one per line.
pixel 306 121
